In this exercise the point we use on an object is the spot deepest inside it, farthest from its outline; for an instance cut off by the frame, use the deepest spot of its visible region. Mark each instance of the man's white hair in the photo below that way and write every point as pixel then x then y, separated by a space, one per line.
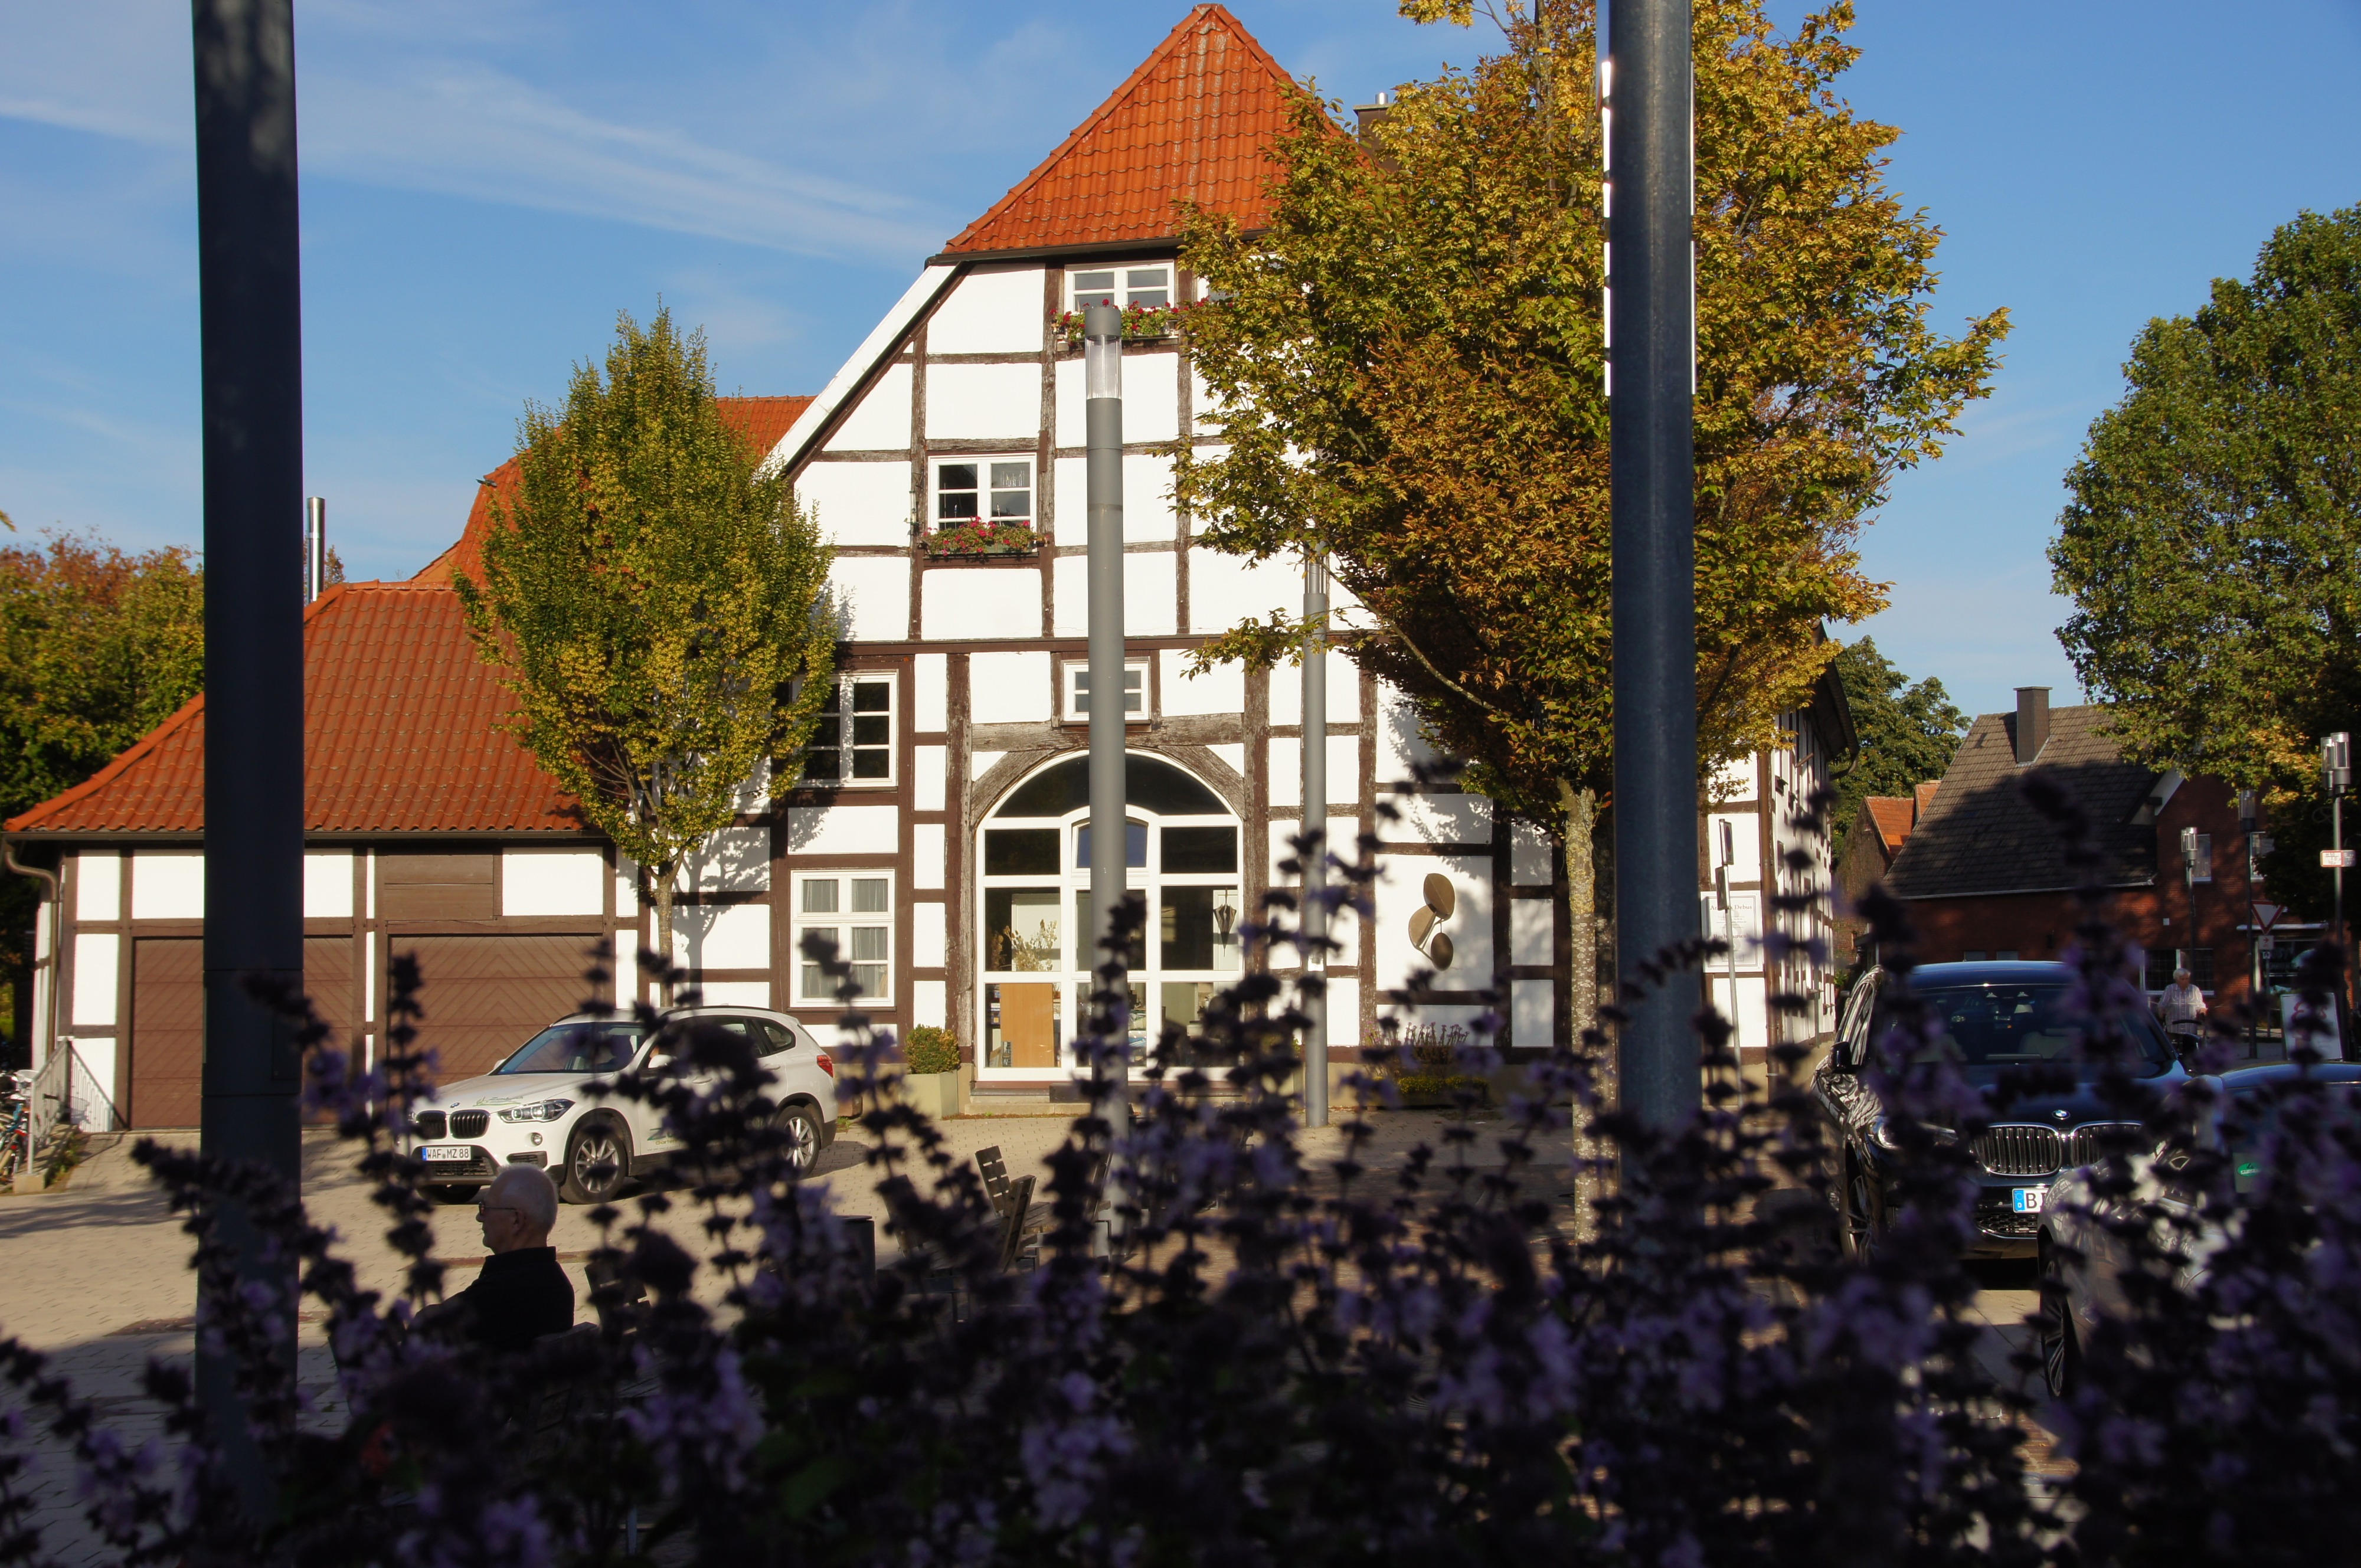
pixel 528 1186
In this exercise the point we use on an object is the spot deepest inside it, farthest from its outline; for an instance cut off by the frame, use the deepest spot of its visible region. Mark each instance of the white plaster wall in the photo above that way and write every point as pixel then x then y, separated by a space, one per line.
pixel 1441 818
pixel 552 881
pixel 1347 925
pixel 929 1003
pixel 98 885
pixel 1148 514
pixel 1401 743
pixel 1232 753
pixel 627 891
pixel 1151 595
pixel 1533 1013
pixel 1734 780
pixel 1151 398
pixel 1208 409
pixel 1343 1017
pixel 858 503
pixel 735 859
pixel 1287 770
pixel 1344 684
pixel 844 830
pixel 1007 688
pixel 94 1071
pixel 962 606
pixel 989 313
pixel 1221 690
pixel 1070 610
pixel 97 955
pixel 985 402
pixel 982 763
pixel 1753 1015
pixel 1533 923
pixel 168 884
pixel 880 420
pixel 933 766
pixel 1746 861
pixel 328 885
pixel 721 936
pixel 1073 429
pixel 1401 890
pixel 754 794
pixel 926 855
pixel 930 706
pixel 737 993
pixel 1529 855
pixel 1226 589
pixel 928 939
pixel 872 597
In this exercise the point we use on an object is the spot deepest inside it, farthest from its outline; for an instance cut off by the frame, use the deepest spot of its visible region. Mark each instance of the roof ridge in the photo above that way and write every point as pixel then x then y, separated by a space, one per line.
pixel 1172 44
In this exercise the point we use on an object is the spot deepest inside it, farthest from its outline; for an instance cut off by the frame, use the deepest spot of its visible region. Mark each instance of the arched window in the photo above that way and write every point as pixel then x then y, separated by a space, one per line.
pixel 1034 937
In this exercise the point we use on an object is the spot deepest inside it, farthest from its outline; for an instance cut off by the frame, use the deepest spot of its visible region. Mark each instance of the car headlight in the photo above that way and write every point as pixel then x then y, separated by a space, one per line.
pixel 1886 1133
pixel 547 1110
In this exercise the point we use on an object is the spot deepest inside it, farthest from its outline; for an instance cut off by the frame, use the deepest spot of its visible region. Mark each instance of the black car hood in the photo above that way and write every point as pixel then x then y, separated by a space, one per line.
pixel 2081 1105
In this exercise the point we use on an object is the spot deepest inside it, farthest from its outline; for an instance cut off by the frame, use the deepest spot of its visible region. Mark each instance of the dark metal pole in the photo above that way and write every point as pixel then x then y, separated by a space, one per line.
pixel 1316 821
pixel 252 386
pixel 1652 315
pixel 1110 837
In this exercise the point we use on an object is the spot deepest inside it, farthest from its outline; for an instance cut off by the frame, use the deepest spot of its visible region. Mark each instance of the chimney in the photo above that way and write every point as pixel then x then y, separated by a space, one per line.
pixel 1368 116
pixel 2032 722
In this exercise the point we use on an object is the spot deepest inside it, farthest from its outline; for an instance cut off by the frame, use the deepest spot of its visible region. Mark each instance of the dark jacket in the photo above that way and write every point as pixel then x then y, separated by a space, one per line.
pixel 518 1298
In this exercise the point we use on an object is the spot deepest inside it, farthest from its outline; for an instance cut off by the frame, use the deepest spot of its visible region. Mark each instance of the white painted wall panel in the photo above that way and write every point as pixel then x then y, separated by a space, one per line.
pixel 1532 928
pixel 1441 818
pixel 98 885
pixel 1734 780
pixel 1151 397
pixel 1401 890
pixel 1347 925
pixel 721 936
pixel 1008 688
pixel 1226 589
pixel 1287 770
pixel 1401 741
pixel 881 419
pixel 627 891
pixel 1533 1013
pixel 552 881
pixel 737 993
pixel 328 885
pixel 97 955
pixel 872 597
pixel 1221 690
pixel 1072 428
pixel 1148 514
pixel 928 936
pixel 94 1073
pixel 933 765
pixel 844 830
pixel 985 402
pixel 1744 841
pixel 168 884
pixel 930 707
pixel 929 1003
pixel 1070 615
pixel 735 859
pixel 926 855
pixel 989 313
pixel 858 503
pixel 754 794
pixel 1151 595
pixel 964 606
pixel 1232 753
pixel 1529 855
pixel 1344 684
pixel 1753 1016
pixel 982 763
pixel 1344 1026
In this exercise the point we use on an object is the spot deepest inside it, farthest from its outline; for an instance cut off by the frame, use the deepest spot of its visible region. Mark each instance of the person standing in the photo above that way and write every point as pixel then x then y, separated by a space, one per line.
pixel 2181 1008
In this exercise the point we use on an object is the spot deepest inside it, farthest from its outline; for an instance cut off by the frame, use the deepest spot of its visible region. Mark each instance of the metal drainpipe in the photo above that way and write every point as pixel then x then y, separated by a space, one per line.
pixel 46 1029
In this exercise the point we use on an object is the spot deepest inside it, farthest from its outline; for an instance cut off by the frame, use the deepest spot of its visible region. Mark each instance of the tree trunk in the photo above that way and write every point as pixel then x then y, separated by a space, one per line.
pixel 661 880
pixel 1581 907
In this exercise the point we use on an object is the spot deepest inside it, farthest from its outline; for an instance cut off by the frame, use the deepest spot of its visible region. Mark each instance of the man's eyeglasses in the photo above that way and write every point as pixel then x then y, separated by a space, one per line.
pixel 498 1209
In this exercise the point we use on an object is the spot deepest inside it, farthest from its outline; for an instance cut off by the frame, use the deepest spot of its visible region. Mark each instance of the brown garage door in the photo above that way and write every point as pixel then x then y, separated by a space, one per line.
pixel 484 996
pixel 168 1031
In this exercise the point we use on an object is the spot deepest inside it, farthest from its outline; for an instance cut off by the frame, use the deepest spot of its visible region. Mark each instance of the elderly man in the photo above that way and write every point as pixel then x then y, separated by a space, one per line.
pixel 2181 1008
pixel 521 1293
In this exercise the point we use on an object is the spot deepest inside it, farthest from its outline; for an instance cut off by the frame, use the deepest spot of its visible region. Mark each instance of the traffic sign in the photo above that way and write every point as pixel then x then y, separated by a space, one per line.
pixel 2336 858
pixel 2267 915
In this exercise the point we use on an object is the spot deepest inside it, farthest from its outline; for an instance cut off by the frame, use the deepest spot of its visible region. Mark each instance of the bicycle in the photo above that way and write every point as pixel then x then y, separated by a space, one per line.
pixel 18 1100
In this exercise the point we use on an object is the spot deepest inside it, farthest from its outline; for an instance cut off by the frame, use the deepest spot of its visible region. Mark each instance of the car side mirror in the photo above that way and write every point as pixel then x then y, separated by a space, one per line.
pixel 659 1061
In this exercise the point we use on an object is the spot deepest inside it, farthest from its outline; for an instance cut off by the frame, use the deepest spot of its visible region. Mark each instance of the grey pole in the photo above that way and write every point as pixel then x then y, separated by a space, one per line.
pixel 315 546
pixel 1651 323
pixel 252 372
pixel 1110 837
pixel 1316 823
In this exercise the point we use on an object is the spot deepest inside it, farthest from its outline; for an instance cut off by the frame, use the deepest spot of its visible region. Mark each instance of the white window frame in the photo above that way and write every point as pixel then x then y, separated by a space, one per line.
pixel 982 464
pixel 845 682
pixel 1070 699
pixel 1123 285
pixel 845 920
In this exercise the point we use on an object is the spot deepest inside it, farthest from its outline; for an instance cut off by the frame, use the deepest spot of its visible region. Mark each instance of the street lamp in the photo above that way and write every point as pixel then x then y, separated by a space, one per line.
pixel 1316 827
pixel 1110 837
pixel 2336 769
pixel 1729 921
pixel 2247 812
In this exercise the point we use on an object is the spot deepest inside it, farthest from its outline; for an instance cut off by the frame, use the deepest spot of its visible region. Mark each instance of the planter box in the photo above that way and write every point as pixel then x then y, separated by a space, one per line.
pixel 988 552
pixel 936 1093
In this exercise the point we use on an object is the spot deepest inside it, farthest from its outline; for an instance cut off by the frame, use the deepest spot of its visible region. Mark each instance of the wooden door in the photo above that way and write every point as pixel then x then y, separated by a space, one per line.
pixel 168 1032
pixel 484 996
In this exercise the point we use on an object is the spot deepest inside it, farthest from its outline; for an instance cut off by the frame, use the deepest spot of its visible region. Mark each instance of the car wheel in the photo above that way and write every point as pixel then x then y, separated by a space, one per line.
pixel 1864 1213
pixel 596 1160
pixel 2061 1348
pixel 800 1129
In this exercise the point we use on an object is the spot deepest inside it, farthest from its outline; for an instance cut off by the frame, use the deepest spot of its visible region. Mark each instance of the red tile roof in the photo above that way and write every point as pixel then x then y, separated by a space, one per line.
pixel 402 734
pixel 1894 816
pixel 1192 124
pixel 761 421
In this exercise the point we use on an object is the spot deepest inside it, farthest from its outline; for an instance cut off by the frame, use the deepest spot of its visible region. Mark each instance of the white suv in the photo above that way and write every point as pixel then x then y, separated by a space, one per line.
pixel 532 1109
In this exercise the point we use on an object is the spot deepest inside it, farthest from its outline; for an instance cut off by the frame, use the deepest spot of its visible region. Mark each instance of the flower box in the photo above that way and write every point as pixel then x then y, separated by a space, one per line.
pixel 1141 324
pixel 981 540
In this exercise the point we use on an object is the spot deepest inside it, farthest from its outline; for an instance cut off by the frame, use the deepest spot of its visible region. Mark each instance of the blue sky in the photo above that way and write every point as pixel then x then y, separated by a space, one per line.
pixel 487 183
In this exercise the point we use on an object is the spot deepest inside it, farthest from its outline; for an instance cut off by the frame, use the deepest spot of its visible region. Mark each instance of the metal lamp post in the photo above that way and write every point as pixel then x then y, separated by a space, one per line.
pixel 1316 827
pixel 2246 815
pixel 1729 922
pixel 1651 321
pixel 2336 767
pixel 1110 834
pixel 252 367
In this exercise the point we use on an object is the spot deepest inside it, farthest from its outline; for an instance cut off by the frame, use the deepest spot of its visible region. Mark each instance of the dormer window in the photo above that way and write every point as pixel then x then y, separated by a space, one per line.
pixel 1149 287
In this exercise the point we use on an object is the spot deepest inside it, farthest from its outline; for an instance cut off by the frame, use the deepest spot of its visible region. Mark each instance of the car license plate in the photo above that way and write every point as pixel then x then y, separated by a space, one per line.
pixel 2030 1199
pixel 458 1153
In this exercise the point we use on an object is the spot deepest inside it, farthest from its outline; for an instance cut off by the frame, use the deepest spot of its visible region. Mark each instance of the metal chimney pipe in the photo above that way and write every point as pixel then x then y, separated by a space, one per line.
pixel 1651 319
pixel 249 278
pixel 315 546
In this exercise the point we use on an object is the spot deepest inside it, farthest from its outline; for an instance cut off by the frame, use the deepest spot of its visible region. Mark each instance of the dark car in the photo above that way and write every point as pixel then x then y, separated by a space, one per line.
pixel 2002 1023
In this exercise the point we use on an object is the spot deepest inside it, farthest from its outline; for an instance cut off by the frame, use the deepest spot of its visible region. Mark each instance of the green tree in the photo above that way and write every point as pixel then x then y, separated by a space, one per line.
pixel 2212 543
pixel 1408 376
pixel 96 649
pixel 1907 730
pixel 653 592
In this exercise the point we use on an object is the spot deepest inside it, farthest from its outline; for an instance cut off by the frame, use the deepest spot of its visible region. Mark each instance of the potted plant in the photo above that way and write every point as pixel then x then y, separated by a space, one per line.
pixel 982 536
pixel 1141 324
pixel 931 1060
pixel 1422 1065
